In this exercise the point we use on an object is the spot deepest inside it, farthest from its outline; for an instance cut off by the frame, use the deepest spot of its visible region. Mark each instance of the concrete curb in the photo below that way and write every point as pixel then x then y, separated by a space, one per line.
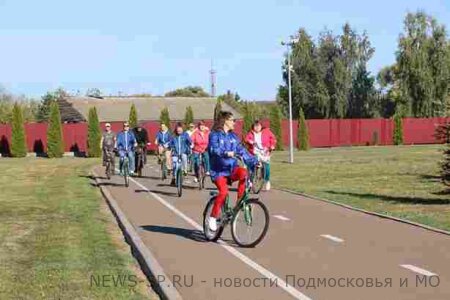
pixel 160 282
pixel 367 212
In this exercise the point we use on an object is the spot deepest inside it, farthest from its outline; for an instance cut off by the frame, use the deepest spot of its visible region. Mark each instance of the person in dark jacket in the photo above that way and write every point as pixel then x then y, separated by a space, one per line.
pixel 141 136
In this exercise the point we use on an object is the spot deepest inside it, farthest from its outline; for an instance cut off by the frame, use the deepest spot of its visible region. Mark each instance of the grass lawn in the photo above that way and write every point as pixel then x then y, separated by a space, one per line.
pixel 398 181
pixel 56 232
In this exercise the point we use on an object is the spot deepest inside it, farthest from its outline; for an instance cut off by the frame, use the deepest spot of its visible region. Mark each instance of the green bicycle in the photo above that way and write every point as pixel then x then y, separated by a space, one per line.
pixel 249 219
pixel 163 163
pixel 126 170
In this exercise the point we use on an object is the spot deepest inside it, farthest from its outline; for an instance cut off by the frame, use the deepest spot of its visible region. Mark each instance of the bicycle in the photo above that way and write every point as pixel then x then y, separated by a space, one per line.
pixel 201 172
pixel 126 170
pixel 139 160
pixel 244 214
pixel 163 163
pixel 109 169
pixel 178 171
pixel 260 171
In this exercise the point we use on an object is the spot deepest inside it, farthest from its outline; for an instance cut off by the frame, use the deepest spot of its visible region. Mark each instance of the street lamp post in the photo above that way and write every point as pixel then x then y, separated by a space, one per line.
pixel 289 69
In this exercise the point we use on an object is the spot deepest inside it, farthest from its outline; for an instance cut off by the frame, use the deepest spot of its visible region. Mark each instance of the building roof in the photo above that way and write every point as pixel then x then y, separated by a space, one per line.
pixel 111 109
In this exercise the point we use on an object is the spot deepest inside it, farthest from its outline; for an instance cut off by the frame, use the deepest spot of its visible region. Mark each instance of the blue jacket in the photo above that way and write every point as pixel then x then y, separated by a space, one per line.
pixel 126 141
pixel 180 144
pixel 219 144
pixel 163 138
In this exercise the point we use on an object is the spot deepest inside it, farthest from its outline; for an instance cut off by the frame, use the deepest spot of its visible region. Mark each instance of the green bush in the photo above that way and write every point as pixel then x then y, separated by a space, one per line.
pixel 164 116
pixel 217 109
pixel 189 116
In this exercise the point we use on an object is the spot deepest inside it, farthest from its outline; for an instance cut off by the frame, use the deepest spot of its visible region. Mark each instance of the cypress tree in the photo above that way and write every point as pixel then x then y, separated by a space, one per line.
pixel 133 118
pixel 189 116
pixel 217 109
pixel 94 134
pixel 55 144
pixel 18 145
pixel 398 129
pixel 248 118
pixel 276 126
pixel 164 117
pixel 302 132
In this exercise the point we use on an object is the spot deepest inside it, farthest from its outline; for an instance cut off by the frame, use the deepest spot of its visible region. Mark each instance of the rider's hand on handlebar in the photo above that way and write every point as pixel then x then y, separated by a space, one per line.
pixel 230 154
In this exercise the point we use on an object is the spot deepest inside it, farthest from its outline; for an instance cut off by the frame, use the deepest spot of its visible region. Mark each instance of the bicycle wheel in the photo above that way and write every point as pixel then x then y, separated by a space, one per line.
pixel 163 170
pixel 126 173
pixel 108 169
pixel 201 177
pixel 211 236
pixel 258 179
pixel 179 182
pixel 250 223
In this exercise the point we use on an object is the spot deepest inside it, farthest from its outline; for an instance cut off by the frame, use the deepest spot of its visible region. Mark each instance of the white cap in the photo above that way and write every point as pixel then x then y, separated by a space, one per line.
pixel 107 124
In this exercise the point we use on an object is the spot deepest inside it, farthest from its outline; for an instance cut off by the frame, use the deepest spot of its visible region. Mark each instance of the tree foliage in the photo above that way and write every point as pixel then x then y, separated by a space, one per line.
pixel 18 144
pixel 330 78
pixel 217 109
pixel 189 91
pixel 398 129
pixel 94 134
pixel 423 66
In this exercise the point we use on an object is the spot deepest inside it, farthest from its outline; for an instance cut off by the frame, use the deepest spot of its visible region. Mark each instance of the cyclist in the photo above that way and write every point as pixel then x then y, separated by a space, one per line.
pixel 180 144
pixel 108 143
pixel 126 143
pixel 163 138
pixel 224 145
pixel 190 131
pixel 142 140
pixel 261 142
pixel 200 140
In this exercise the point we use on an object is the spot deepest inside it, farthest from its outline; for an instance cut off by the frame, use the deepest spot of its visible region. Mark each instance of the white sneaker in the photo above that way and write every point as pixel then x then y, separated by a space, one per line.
pixel 268 186
pixel 195 180
pixel 212 224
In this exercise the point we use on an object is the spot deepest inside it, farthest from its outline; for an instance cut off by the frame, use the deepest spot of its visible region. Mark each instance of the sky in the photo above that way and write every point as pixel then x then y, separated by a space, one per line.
pixel 156 46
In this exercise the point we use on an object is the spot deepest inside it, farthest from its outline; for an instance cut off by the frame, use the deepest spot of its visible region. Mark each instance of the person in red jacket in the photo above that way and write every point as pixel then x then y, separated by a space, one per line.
pixel 261 142
pixel 200 140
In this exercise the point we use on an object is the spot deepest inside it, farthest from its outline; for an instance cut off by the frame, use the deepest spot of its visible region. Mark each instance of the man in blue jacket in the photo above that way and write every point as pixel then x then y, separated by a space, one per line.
pixel 224 147
pixel 180 145
pixel 126 143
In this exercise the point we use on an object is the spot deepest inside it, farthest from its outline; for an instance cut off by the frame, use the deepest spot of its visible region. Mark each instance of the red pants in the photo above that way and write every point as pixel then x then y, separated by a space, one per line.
pixel 238 174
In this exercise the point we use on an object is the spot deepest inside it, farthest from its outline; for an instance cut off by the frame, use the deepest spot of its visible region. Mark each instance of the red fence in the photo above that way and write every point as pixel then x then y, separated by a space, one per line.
pixel 323 133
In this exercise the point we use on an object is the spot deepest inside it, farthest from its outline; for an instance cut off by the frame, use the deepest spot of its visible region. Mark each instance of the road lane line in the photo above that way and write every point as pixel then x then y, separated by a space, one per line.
pixel 281 217
pixel 333 238
pixel 418 270
pixel 266 273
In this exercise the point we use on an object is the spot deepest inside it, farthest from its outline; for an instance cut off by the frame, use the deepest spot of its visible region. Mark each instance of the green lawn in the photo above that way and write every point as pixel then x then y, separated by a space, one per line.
pixel 399 181
pixel 56 232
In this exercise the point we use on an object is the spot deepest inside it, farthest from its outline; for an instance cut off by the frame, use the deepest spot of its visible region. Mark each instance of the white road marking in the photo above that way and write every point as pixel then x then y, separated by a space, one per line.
pixel 418 270
pixel 333 238
pixel 282 218
pixel 266 273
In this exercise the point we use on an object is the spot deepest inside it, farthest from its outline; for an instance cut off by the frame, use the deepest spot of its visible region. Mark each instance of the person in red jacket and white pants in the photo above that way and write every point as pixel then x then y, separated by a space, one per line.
pixel 261 142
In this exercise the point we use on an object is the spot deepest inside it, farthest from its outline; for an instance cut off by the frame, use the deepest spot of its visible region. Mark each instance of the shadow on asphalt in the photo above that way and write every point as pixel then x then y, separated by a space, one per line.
pixel 195 235
pixel 107 184
pixel 408 200
pixel 172 194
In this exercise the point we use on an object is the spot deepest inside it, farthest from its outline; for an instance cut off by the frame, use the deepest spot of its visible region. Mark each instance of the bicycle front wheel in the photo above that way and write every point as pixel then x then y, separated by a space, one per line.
pixel 250 223
pixel 126 175
pixel 211 236
pixel 179 181
pixel 258 180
